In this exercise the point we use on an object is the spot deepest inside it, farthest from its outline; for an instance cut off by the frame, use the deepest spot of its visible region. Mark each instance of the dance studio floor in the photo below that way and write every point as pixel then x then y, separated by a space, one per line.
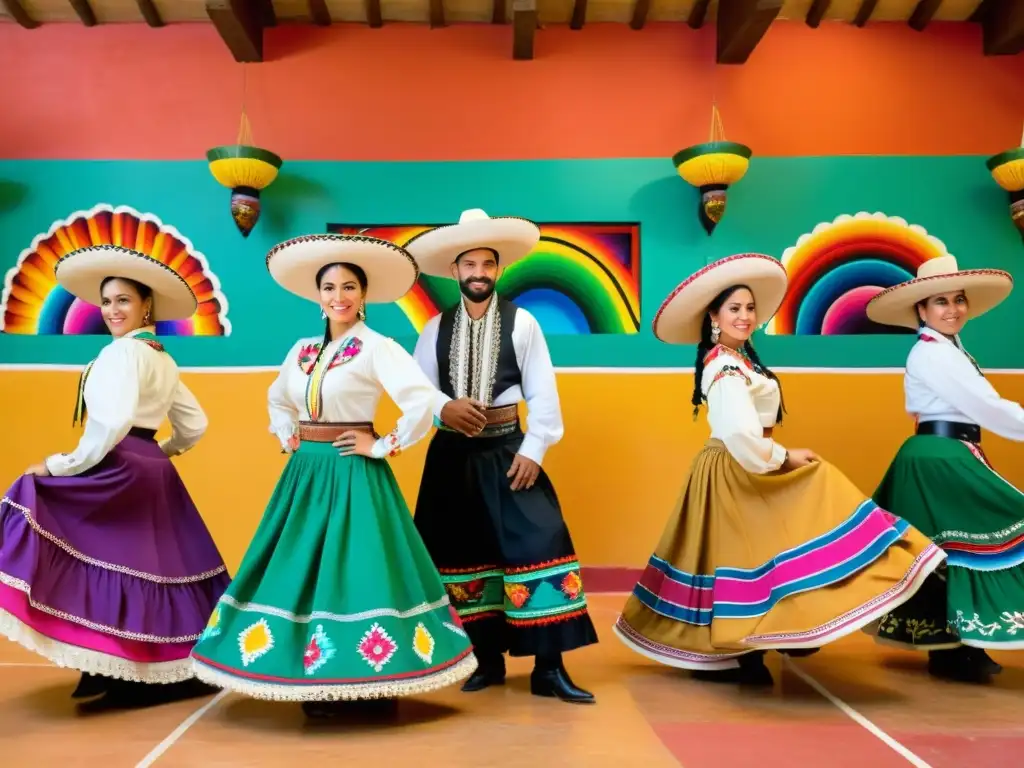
pixel 853 705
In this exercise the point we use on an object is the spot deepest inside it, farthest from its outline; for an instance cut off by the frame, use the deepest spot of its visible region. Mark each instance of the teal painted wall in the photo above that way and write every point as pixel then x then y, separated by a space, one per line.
pixel 953 198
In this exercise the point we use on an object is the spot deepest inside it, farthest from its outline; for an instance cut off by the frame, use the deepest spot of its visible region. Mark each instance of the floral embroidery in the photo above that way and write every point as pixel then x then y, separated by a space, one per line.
pixel 423 643
pixel 309 353
pixel 1014 621
pixel 255 641
pixel 376 647
pixel 518 594
pixel 729 370
pixel 318 652
pixel 467 591
pixel 307 357
pixel 391 443
pixel 572 584
pixel 212 626
pixel 455 625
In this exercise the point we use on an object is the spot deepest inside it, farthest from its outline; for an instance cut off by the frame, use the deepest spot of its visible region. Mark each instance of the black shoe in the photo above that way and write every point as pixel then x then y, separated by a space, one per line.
pixel 556 683
pixel 751 671
pixel 959 665
pixel 90 685
pixel 489 672
pixel 985 662
pixel 798 653
pixel 125 694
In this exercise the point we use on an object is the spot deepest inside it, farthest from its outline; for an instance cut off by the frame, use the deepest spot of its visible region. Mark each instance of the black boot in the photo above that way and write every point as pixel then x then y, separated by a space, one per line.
pixel 751 671
pixel 959 664
pixel 90 685
pixel 490 671
pixel 984 661
pixel 549 678
pixel 125 694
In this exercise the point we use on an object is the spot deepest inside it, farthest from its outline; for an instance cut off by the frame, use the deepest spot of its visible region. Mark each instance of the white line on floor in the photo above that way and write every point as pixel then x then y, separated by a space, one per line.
pixel 178 732
pixel 857 717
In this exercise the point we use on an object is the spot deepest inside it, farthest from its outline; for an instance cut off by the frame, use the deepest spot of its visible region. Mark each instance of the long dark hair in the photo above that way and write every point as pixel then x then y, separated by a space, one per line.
pixel 706 345
pixel 360 275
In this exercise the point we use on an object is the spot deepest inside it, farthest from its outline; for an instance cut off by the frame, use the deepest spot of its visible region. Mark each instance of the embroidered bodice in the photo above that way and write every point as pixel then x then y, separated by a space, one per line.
pixel 346 386
pixel 742 404
pixel 943 383
pixel 534 382
pixel 131 383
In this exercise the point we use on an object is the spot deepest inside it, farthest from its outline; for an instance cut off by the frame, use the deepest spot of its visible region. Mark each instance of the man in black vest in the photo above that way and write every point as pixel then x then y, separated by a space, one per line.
pixel 486 510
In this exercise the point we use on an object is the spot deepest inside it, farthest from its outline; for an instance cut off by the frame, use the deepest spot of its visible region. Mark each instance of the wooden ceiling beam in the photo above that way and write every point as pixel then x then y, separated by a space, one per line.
pixel 698 14
pixel 84 12
pixel 741 25
pixel 1002 25
pixel 436 13
pixel 374 17
pixel 864 14
pixel 240 25
pixel 579 14
pixel 524 28
pixel 817 12
pixel 17 13
pixel 319 14
pixel 150 13
pixel 923 13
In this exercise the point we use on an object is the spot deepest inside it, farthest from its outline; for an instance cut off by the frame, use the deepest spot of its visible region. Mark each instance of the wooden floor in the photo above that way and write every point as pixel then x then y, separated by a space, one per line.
pixel 853 705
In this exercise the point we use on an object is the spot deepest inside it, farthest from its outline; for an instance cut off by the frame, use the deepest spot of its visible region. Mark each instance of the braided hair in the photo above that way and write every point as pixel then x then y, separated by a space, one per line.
pixel 706 345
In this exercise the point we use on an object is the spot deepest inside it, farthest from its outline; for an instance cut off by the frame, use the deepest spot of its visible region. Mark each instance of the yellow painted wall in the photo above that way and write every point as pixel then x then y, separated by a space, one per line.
pixel 628 444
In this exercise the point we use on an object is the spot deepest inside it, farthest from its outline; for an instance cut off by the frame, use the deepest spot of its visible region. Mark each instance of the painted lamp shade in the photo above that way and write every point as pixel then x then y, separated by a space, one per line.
pixel 245 170
pixel 1007 168
pixel 712 167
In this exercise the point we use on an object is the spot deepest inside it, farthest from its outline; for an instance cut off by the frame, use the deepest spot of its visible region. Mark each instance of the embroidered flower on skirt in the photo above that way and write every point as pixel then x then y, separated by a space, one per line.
pixel 376 647
pixel 318 651
pixel 423 643
pixel 255 641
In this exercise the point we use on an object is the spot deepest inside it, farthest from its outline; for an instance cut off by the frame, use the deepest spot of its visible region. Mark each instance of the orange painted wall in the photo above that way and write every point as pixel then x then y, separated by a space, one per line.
pixel 406 92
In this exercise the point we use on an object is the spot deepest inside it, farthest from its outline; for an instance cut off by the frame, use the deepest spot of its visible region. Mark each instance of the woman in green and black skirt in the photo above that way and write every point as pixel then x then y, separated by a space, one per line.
pixel 942 483
pixel 337 597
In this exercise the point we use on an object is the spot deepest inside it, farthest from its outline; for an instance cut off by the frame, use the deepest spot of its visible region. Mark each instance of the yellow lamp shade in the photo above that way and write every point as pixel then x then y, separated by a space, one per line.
pixel 712 167
pixel 1007 169
pixel 245 170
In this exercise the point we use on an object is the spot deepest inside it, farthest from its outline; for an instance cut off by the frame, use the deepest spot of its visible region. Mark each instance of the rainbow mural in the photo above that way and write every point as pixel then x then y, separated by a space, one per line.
pixel 838 267
pixel 581 279
pixel 34 303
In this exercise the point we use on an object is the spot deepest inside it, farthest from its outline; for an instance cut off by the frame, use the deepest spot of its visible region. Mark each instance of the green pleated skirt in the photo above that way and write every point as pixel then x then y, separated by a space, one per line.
pixel 336 597
pixel 947 490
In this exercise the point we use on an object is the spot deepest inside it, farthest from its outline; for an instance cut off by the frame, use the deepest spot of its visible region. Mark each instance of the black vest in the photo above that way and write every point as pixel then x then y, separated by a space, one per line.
pixel 508 373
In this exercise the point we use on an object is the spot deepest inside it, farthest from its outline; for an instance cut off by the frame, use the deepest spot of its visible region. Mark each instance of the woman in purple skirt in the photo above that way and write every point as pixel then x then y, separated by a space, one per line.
pixel 105 564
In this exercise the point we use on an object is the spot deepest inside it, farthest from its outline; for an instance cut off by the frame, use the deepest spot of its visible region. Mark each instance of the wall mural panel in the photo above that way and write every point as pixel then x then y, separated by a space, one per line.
pixel 838 267
pixel 34 304
pixel 581 279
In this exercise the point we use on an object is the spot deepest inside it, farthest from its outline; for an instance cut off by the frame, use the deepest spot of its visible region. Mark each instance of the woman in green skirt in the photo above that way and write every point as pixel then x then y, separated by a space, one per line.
pixel 336 597
pixel 942 483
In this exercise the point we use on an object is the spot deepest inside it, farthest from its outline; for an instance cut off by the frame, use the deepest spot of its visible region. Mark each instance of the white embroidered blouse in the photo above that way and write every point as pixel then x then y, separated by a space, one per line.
pixel 131 384
pixel 539 388
pixel 742 404
pixel 350 389
pixel 942 383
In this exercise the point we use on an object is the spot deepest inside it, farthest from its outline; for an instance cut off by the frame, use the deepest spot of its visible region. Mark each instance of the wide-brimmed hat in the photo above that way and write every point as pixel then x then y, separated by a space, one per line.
pixel 681 315
pixel 511 237
pixel 390 271
pixel 985 289
pixel 81 272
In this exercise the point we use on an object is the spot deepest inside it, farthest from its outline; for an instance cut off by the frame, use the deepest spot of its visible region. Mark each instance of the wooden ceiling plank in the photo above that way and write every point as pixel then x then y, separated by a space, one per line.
pixel 240 26
pixel 84 12
pixel 524 28
pixel 373 15
pixel 150 13
pixel 923 13
pixel 579 14
pixel 319 14
pixel 864 14
pixel 741 25
pixel 640 11
pixel 1002 25
pixel 436 13
pixel 17 13
pixel 698 14
pixel 817 12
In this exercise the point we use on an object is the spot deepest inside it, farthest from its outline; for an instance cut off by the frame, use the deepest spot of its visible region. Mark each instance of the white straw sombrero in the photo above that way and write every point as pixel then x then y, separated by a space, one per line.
pixel 81 272
pixel 436 249
pixel 681 315
pixel 390 270
pixel 985 289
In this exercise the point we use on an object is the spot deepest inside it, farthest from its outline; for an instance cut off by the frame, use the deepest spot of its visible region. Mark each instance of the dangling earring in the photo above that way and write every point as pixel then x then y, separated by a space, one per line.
pixel 715 333
pixel 323 314
pixel 147 320
pixel 362 311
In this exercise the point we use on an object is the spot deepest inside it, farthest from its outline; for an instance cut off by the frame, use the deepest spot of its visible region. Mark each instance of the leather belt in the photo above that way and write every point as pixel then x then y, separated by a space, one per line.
pixel 329 431
pixel 956 430
pixel 143 432
pixel 501 421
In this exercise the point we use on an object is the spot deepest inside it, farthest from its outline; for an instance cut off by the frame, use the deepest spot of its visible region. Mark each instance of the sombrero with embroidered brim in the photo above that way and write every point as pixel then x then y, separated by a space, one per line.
pixel 82 271
pixel 985 289
pixel 681 315
pixel 511 237
pixel 390 270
